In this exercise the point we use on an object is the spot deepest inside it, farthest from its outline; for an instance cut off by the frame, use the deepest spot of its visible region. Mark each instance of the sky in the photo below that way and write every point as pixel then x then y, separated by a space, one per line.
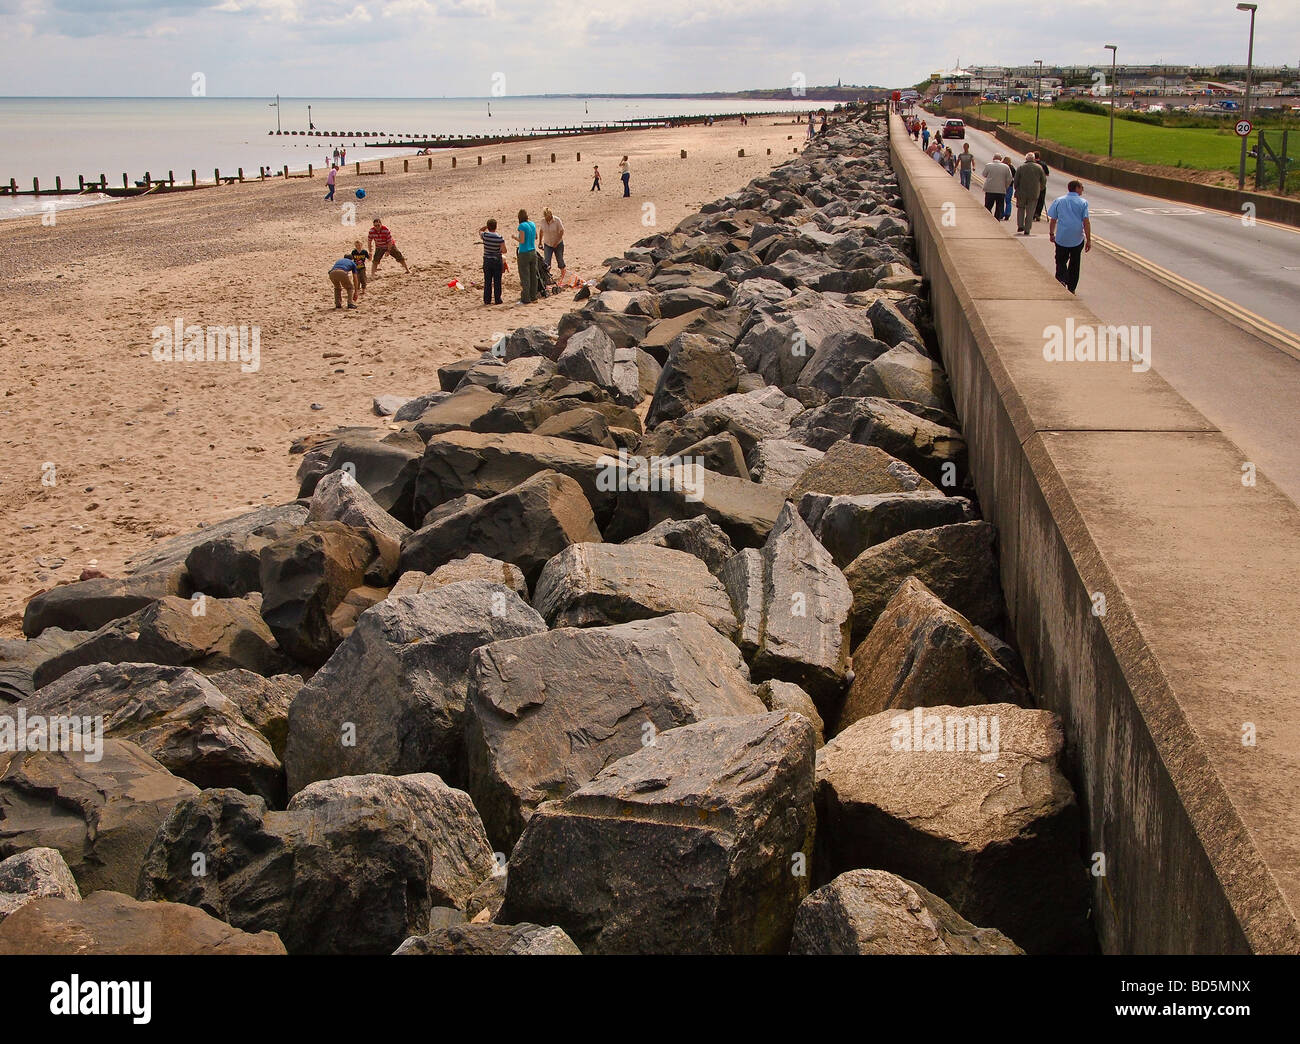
pixel 431 48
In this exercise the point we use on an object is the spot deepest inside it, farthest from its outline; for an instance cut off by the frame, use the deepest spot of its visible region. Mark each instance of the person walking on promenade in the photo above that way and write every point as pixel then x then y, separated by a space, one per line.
pixel 360 255
pixel 966 164
pixel 344 278
pixel 494 261
pixel 997 178
pixel 527 259
pixel 595 180
pixel 329 180
pixel 1070 230
pixel 382 242
pixel 1042 196
pixel 552 230
pixel 949 162
pixel 1030 186
pixel 1011 187
pixel 625 172
pixel 916 128
pixel 925 135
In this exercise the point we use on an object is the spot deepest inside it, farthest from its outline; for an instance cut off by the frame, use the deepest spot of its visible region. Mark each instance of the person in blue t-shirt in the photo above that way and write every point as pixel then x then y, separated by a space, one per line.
pixel 344 277
pixel 527 258
pixel 1071 231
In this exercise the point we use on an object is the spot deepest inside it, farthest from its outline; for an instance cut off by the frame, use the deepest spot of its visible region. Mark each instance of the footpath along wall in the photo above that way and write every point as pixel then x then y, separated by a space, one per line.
pixel 1150 588
pixel 1267 208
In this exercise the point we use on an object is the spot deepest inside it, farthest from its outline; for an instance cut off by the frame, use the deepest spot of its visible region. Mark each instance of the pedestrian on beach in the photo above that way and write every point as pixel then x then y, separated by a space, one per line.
pixel 343 157
pixel 810 126
pixel 552 230
pixel 997 178
pixel 625 172
pixel 1011 187
pixel 494 261
pixel 595 180
pixel 382 242
pixel 329 180
pixel 526 236
pixel 966 164
pixel 1070 230
pixel 1029 185
pixel 822 132
pixel 344 278
pixel 360 255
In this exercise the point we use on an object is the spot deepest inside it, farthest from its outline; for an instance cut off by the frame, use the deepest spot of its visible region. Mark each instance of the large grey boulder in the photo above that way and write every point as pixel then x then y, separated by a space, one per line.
pixel 780 462
pixel 750 416
pixel 696 843
pixel 461 410
pixel 384 463
pixel 780 346
pixel 527 525
pixel 20 659
pixel 847 526
pixel 957 563
pixel 838 360
pixel 208 634
pixel 110 924
pixel 230 564
pixel 788 697
pixel 353 865
pixel 100 815
pixel 588 356
pixel 935 450
pixel 485 464
pixel 341 498
pixel 920 653
pixel 850 470
pixel 793 605
pixel 490 940
pixel 548 712
pixel 904 373
pixel 654 490
pixel 34 874
pixel 872 912
pixel 697 371
pixel 88 605
pixel 589 585
pixel 178 716
pixel 471 567
pixel 168 556
pixel 391 700
pixel 263 701
pixel 583 424
pixel 308 573
pixel 968 802
pixel 696 536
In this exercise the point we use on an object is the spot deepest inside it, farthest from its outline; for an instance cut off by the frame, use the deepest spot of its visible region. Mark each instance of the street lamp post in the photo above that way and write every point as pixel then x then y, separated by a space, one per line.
pixel 1113 49
pixel 1038 97
pixel 1250 61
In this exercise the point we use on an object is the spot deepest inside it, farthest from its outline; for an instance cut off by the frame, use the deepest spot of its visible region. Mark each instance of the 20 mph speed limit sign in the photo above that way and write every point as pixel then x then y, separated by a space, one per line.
pixel 1244 128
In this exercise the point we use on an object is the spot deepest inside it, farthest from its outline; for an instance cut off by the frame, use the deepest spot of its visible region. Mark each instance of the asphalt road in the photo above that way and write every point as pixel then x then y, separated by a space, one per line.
pixel 1248 388
pixel 1257 267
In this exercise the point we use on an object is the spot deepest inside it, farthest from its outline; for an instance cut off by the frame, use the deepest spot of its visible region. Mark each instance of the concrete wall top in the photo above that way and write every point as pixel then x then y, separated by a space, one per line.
pixel 1102 478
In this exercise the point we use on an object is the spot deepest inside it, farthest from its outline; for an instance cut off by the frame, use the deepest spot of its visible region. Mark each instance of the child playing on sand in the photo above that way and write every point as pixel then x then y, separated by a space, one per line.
pixel 360 256
pixel 595 184
pixel 344 277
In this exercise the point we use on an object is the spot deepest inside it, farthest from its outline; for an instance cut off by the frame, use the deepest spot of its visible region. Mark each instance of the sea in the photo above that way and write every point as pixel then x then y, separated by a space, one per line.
pixel 66 137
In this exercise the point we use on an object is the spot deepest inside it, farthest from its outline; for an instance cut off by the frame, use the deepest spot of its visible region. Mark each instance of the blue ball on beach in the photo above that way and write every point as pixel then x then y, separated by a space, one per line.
pixel 361 193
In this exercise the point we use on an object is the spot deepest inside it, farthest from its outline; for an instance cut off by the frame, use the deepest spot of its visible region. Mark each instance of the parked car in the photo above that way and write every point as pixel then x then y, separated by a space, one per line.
pixel 954 129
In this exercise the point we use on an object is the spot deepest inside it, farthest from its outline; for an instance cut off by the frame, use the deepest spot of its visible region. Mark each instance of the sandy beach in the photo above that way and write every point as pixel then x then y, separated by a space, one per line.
pixel 107 450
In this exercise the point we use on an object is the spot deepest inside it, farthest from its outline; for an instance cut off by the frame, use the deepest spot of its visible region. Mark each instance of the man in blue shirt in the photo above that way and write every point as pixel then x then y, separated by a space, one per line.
pixel 1069 228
